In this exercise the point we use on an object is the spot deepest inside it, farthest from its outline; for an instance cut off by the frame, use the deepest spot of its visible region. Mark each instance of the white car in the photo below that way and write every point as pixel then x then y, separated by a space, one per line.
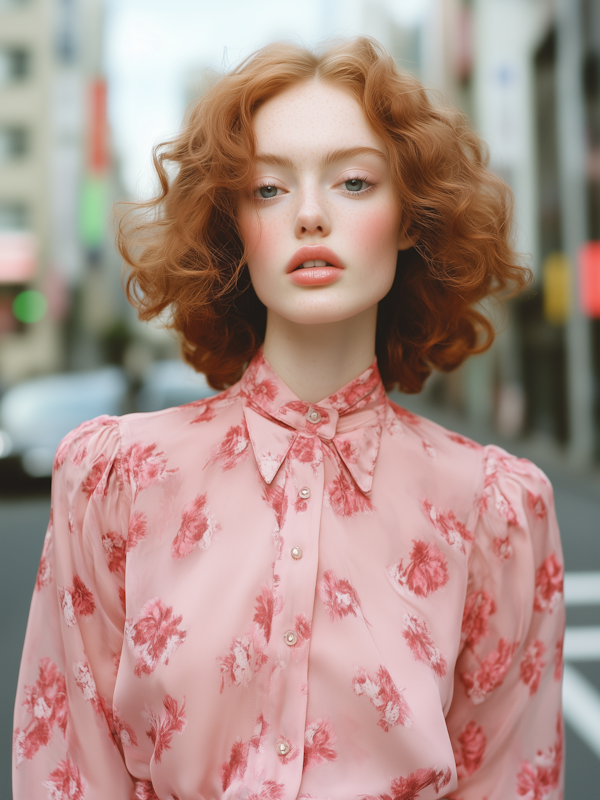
pixel 36 414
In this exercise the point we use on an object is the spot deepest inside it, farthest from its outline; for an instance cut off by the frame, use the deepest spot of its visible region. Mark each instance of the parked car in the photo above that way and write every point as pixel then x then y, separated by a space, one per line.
pixel 36 414
pixel 171 383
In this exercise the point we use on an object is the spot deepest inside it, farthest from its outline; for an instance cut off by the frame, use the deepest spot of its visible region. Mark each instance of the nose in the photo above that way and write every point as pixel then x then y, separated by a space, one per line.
pixel 312 216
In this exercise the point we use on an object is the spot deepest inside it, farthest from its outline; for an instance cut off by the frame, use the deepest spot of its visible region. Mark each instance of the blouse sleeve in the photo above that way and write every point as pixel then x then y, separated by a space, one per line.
pixel 66 738
pixel 505 720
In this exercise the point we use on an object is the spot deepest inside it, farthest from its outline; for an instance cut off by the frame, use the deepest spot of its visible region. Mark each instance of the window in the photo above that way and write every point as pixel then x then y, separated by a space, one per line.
pixel 13 217
pixel 15 63
pixel 14 142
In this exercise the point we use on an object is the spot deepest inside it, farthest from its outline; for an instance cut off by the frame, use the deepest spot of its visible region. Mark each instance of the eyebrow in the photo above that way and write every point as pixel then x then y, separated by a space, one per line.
pixel 340 154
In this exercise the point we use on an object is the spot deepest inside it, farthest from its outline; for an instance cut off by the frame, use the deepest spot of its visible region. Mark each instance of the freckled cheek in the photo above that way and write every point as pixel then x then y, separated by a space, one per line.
pixel 375 234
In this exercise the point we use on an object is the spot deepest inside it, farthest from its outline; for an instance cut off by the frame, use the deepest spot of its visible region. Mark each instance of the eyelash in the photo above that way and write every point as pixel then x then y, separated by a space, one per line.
pixel 346 193
pixel 363 192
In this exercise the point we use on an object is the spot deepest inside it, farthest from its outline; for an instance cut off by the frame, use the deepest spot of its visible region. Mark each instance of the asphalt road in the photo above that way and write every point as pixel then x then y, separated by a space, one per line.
pixel 23 522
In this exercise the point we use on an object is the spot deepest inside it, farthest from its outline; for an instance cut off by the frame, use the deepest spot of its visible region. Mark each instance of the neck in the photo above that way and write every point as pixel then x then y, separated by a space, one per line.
pixel 317 360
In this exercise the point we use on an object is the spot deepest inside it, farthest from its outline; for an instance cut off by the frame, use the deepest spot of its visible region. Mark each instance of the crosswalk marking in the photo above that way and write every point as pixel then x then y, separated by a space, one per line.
pixel 582 643
pixel 582 588
pixel 581 708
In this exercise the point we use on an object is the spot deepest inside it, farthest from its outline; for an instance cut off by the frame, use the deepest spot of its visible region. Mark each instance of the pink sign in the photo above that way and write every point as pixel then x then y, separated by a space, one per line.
pixel 589 278
pixel 18 251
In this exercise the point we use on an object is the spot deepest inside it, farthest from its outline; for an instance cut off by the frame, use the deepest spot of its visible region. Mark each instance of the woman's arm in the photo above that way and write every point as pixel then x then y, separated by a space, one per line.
pixel 67 734
pixel 505 721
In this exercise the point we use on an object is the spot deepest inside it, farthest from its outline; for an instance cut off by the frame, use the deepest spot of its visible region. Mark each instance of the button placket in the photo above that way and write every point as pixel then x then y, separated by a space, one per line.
pixel 297 569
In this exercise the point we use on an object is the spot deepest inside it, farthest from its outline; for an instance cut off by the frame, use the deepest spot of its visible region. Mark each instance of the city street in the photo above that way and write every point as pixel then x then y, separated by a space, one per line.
pixel 23 522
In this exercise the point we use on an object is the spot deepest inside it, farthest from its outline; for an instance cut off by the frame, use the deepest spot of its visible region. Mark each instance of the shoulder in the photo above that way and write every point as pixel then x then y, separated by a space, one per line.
pixel 454 462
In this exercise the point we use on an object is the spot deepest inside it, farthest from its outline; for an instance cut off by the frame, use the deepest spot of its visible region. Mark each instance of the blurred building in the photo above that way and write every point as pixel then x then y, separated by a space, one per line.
pixel 56 182
pixel 528 74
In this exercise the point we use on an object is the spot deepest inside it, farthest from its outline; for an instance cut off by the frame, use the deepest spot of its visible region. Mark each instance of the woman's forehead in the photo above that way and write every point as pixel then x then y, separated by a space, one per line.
pixel 313 117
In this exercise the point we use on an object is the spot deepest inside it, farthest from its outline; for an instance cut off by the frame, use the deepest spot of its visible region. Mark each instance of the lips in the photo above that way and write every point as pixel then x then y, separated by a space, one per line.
pixel 305 258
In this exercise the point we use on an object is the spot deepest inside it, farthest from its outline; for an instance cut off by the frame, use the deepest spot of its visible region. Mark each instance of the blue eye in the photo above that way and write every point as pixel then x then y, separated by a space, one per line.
pixel 354 184
pixel 267 192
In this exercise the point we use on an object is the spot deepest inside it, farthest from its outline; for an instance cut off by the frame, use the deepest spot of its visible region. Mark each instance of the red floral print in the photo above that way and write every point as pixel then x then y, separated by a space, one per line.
pixel 502 548
pixel 76 599
pixel 536 780
pixel 490 674
pixel 548 584
pixel 269 790
pixel 233 448
pixel 479 606
pixel 346 498
pixel 138 528
pixel 155 635
pixel 83 599
pixel 302 627
pixel 83 434
pixel 426 571
pixel 410 788
pixel 532 665
pixel 348 450
pixel 123 731
pixel 86 683
pixel 115 549
pixel 96 477
pixel 65 782
pixel 144 466
pixel 356 391
pixel 236 766
pixel 422 645
pixel 307 450
pixel 292 753
pixel 536 503
pixel 198 526
pixel 206 411
pixel 405 416
pixel 339 596
pixel 471 749
pixel 504 508
pixel 453 531
pixel 244 659
pixel 144 790
pixel 319 738
pixel 261 729
pixel 558 659
pixel 46 703
pixel 275 496
pixel 266 606
pixel 163 727
pixel 456 437
pixel 384 696
pixel 44 573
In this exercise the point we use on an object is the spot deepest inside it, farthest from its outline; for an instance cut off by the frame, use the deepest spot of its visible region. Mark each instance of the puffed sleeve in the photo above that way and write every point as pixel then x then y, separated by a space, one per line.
pixel 505 720
pixel 66 742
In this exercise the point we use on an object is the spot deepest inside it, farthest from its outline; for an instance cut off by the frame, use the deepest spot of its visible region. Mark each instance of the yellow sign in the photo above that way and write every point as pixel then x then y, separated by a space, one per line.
pixel 556 277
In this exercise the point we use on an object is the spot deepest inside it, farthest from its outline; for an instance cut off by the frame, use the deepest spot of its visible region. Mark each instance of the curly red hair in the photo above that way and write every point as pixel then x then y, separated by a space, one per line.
pixel 186 255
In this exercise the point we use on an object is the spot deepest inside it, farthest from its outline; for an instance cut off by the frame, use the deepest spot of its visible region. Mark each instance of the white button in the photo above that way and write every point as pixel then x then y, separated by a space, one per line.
pixel 304 492
pixel 297 553
pixel 290 638
pixel 283 748
pixel 313 415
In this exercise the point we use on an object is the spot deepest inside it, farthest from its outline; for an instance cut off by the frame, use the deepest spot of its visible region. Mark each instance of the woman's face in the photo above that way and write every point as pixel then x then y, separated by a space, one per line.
pixel 320 219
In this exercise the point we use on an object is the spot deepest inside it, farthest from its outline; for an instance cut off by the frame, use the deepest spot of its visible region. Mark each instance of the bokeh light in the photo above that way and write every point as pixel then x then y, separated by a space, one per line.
pixel 30 306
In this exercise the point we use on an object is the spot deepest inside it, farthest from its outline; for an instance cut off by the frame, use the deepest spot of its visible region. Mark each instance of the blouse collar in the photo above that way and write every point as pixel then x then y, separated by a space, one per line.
pixel 350 420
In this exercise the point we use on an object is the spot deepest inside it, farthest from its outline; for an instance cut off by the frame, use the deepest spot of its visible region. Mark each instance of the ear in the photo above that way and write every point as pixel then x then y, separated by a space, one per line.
pixel 404 241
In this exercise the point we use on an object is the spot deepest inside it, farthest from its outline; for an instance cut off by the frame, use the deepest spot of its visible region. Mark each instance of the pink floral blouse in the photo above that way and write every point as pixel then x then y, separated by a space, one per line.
pixel 259 598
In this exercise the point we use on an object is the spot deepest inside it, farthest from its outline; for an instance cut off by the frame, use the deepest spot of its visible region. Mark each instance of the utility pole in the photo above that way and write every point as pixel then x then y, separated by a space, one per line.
pixel 572 147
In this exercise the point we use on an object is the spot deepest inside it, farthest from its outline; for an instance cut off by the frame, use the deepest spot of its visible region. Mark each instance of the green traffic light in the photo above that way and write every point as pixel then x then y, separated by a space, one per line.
pixel 30 306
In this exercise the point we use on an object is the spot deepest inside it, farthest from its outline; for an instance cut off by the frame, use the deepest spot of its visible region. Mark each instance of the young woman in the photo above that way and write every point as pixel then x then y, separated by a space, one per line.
pixel 297 589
